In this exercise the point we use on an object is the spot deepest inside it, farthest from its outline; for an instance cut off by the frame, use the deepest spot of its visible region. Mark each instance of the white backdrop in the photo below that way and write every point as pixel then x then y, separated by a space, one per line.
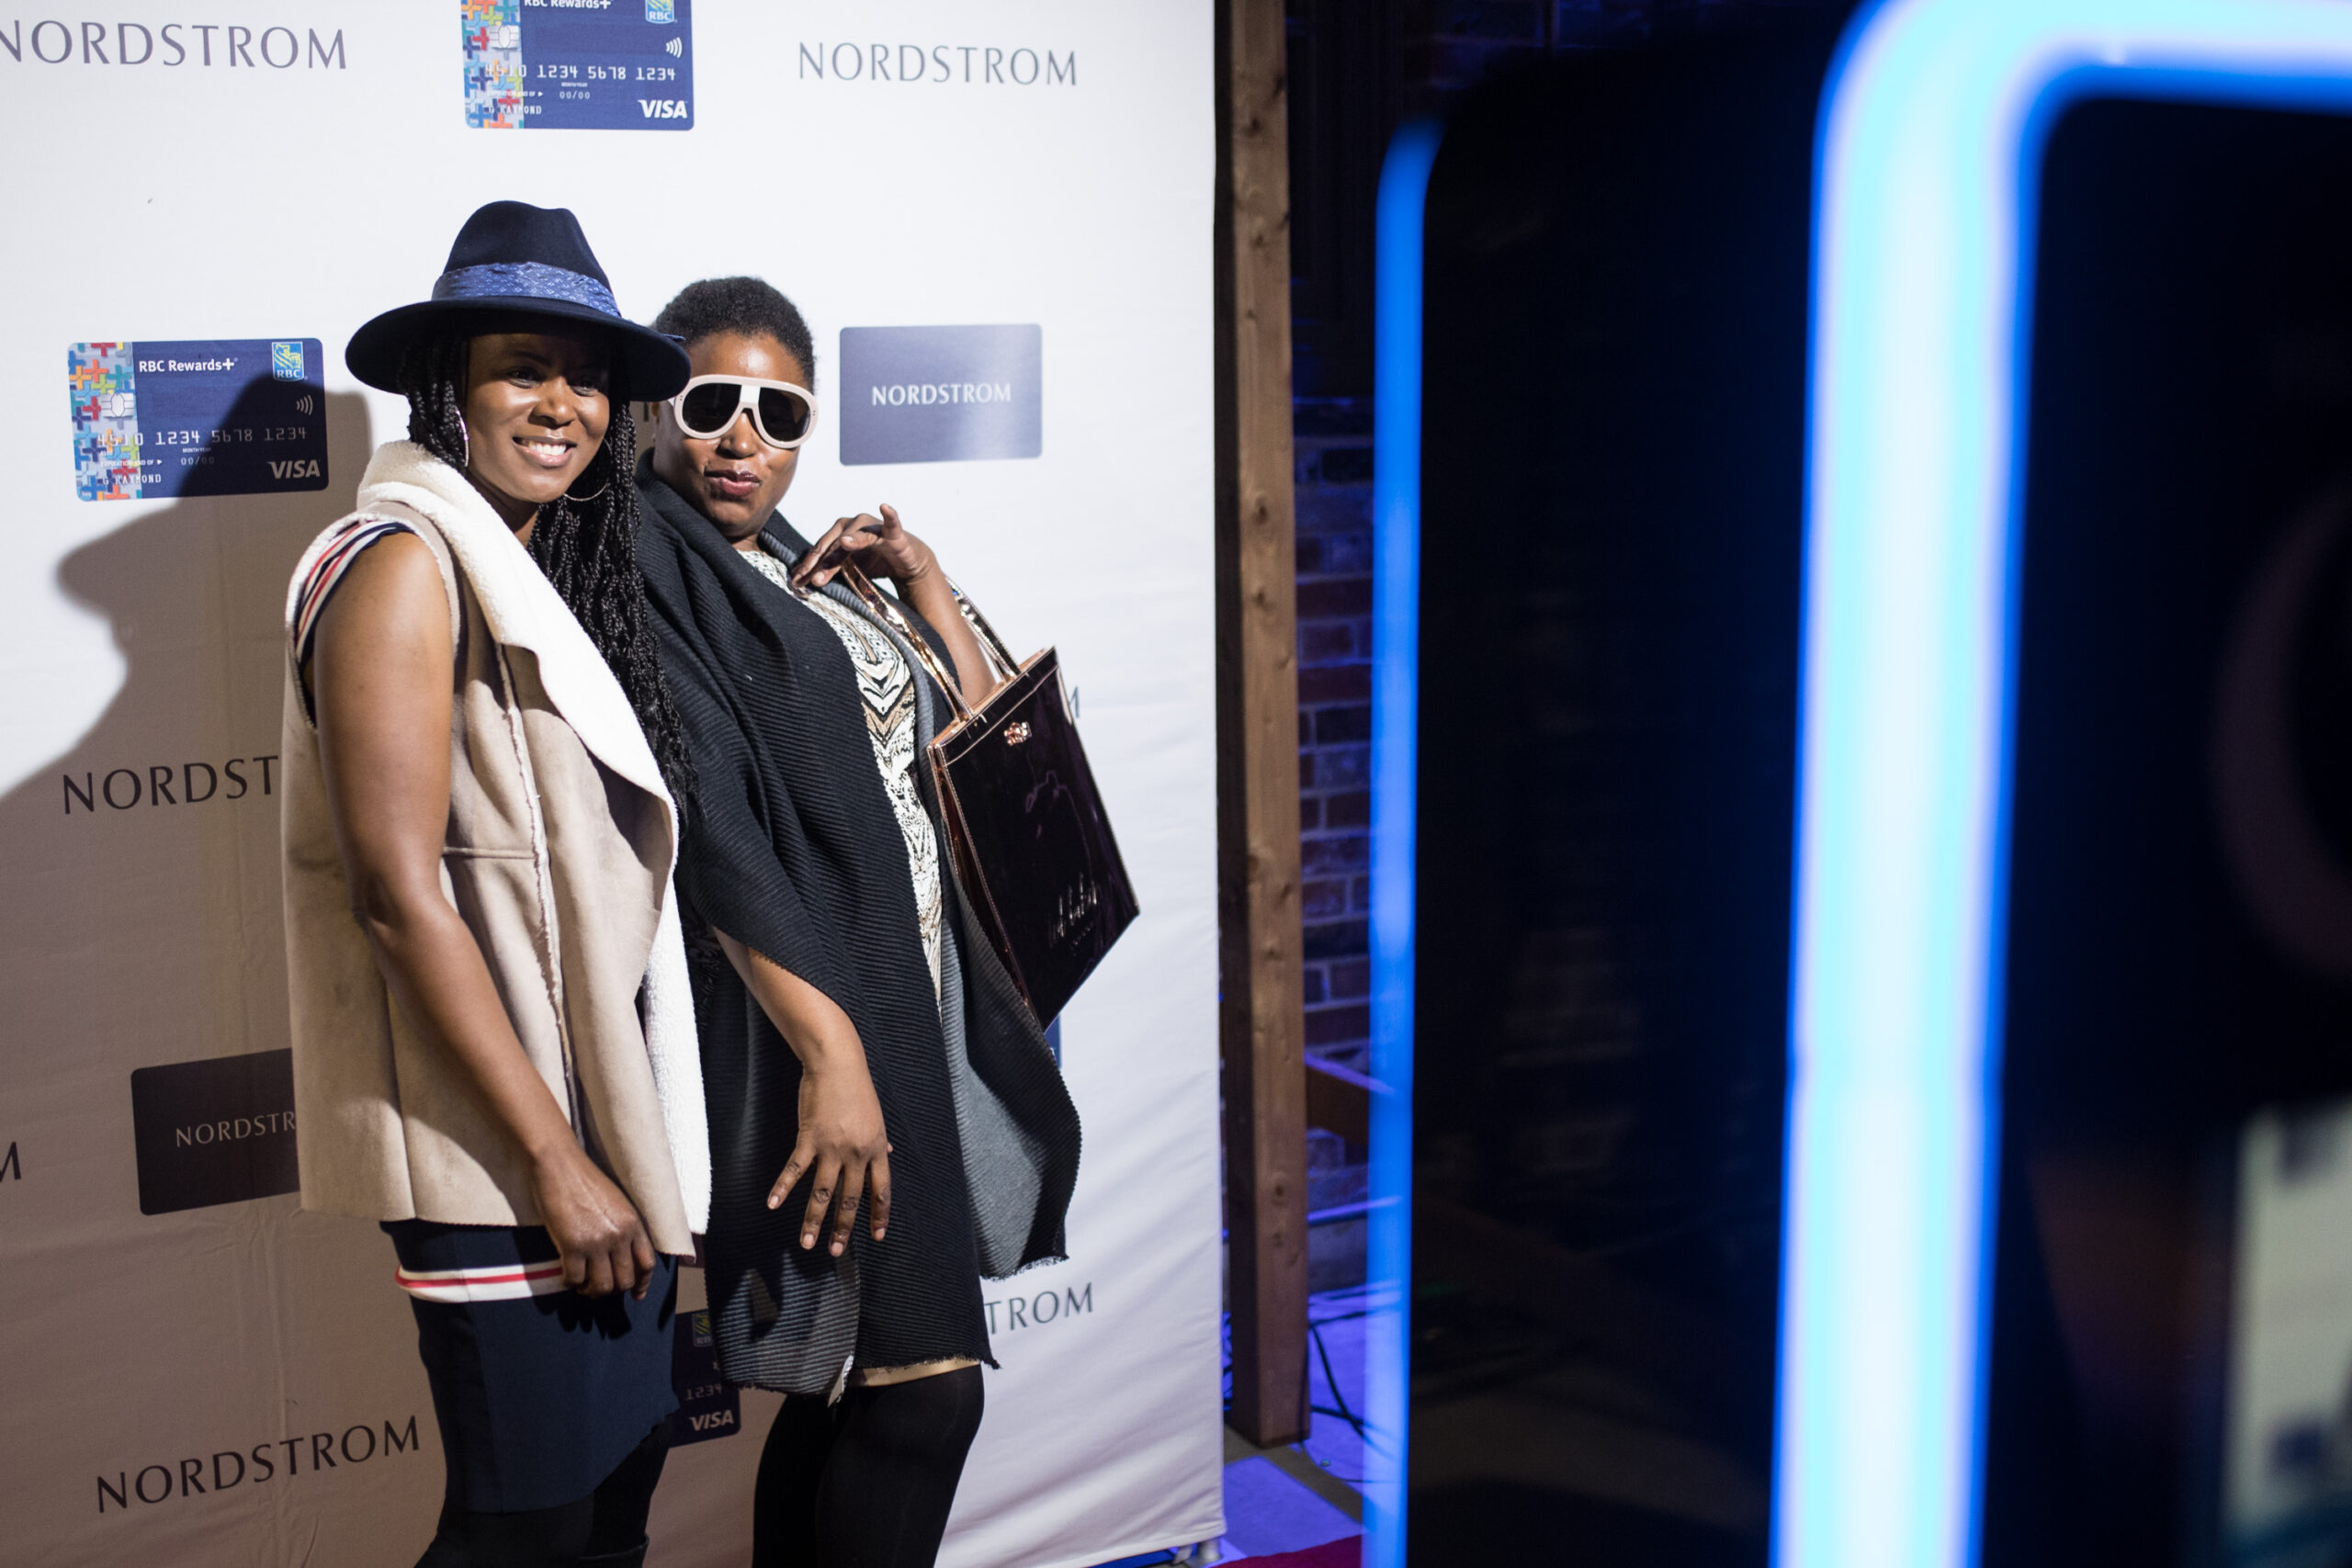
pixel 161 200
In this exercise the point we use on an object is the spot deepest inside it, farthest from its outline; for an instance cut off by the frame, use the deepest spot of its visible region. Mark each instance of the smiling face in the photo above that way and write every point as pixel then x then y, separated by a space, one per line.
pixel 734 479
pixel 537 407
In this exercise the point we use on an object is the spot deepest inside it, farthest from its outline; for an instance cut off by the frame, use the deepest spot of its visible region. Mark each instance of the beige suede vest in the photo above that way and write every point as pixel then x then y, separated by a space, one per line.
pixel 558 856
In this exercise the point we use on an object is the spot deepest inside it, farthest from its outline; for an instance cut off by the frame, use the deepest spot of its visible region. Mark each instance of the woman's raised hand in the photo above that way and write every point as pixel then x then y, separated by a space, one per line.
pixel 842 1141
pixel 597 1231
pixel 881 547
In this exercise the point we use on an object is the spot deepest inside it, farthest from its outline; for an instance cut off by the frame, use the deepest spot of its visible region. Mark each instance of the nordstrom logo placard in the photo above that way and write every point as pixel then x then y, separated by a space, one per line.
pixel 942 394
pixel 218 1131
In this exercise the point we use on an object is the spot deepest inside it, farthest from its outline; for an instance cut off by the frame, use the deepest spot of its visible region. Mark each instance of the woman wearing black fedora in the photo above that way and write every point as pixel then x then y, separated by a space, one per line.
pixel 495 1052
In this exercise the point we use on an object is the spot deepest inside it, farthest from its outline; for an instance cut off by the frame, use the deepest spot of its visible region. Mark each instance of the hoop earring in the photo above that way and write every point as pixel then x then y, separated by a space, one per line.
pixel 465 447
pixel 598 493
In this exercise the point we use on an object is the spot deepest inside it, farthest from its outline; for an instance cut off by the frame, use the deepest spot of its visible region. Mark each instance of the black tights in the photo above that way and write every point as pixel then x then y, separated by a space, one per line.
pixel 604 1529
pixel 867 1483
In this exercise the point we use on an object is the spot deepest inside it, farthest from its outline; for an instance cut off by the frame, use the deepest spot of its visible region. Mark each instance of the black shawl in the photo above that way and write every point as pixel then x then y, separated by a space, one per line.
pixel 794 851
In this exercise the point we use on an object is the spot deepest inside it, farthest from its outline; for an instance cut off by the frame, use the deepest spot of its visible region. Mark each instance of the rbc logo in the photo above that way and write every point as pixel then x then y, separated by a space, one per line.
pixel 663 12
pixel 662 109
pixel 285 361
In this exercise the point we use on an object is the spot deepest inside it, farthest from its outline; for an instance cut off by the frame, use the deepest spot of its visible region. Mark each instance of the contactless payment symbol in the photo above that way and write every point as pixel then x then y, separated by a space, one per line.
pixel 204 416
pixel 535 65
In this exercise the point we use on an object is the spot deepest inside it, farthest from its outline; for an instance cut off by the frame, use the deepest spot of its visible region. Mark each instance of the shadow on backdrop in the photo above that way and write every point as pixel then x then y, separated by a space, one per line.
pixel 142 861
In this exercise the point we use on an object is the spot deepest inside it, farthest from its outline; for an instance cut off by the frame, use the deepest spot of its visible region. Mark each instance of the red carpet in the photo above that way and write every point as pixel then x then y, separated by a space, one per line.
pixel 1345 1552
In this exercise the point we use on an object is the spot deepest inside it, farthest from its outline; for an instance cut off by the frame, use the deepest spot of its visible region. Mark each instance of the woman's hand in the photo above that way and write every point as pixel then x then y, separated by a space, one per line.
pixel 881 547
pixel 597 1231
pixel 841 1118
pixel 842 1140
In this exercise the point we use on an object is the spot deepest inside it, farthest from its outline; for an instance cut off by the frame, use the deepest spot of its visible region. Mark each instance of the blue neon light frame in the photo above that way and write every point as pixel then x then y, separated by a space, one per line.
pixel 1927 166
pixel 1395 709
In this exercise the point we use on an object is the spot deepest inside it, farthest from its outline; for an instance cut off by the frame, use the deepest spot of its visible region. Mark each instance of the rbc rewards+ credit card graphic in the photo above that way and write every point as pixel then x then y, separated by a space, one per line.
pixel 209 416
pixel 578 64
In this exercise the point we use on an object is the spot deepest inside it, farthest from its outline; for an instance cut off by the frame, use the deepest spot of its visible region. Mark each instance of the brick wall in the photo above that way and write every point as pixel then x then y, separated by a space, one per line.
pixel 1334 497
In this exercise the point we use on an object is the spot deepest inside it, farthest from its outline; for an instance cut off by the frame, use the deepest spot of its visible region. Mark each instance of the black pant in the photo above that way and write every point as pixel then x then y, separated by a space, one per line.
pixel 867 1483
pixel 604 1529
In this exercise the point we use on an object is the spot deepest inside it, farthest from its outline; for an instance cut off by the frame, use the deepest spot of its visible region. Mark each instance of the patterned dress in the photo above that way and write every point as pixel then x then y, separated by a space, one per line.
pixel 887 691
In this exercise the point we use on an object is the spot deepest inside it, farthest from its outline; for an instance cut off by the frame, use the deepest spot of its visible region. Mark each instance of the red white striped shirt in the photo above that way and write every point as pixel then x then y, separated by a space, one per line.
pixel 496 1282
pixel 326 575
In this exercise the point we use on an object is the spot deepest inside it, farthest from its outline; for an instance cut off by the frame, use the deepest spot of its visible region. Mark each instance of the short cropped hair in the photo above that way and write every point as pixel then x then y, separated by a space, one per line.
pixel 751 306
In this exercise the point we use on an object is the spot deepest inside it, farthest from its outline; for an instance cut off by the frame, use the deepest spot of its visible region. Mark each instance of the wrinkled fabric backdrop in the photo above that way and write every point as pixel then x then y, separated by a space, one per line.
pixel 198 1373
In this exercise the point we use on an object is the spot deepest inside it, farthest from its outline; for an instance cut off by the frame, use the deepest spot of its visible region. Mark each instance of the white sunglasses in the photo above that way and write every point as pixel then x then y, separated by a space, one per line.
pixel 782 414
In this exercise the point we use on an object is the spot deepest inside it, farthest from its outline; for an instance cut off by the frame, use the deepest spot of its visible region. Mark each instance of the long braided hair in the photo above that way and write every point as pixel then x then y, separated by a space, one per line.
pixel 586 547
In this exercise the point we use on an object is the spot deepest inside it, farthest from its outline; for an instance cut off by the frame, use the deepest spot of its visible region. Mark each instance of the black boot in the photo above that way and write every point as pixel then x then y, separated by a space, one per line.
pixel 627 1557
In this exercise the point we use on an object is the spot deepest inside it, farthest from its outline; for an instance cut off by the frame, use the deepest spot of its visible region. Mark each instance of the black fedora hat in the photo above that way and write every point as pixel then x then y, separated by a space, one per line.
pixel 515 260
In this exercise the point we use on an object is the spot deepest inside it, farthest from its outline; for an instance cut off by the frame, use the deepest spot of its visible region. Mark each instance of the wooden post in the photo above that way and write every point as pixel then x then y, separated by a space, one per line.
pixel 1261 1024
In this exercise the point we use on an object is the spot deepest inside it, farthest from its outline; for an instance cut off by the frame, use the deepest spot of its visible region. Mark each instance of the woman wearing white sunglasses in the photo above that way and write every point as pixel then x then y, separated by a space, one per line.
pixel 860 1039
